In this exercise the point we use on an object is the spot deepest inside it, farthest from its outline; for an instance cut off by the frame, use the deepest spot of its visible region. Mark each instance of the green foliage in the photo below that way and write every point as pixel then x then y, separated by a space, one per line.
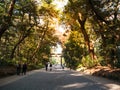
pixel 26 34
pixel 34 66
pixel 103 62
pixel 31 30
pixel 88 62
pixel 74 50
pixel 7 62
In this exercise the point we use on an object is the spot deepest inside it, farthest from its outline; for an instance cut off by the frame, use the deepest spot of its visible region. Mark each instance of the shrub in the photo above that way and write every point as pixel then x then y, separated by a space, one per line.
pixel 88 62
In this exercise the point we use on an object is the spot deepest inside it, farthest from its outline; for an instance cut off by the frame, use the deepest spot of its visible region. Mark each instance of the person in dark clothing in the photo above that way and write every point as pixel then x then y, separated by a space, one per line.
pixel 50 66
pixel 24 68
pixel 18 69
pixel 46 66
pixel 63 66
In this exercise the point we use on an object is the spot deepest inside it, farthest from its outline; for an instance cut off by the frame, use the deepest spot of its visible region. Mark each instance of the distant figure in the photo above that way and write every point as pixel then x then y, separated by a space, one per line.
pixel 18 69
pixel 24 68
pixel 50 66
pixel 63 66
pixel 46 66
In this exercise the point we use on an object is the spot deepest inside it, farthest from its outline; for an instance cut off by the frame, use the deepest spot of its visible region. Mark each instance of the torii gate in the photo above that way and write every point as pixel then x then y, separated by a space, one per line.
pixel 59 57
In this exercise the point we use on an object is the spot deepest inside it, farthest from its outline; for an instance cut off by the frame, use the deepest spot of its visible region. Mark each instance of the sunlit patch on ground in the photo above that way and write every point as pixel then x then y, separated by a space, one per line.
pixel 76 74
pixel 76 85
pixel 113 86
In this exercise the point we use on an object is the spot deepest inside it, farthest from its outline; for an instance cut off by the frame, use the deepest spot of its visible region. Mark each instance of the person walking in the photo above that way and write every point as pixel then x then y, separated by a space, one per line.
pixel 18 68
pixel 46 66
pixel 63 66
pixel 50 66
pixel 24 68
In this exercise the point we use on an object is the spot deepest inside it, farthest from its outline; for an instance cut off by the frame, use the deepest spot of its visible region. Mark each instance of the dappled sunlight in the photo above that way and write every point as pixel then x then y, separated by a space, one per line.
pixel 60 4
pixel 55 37
pixel 55 71
pixel 75 85
pixel 78 74
pixel 112 86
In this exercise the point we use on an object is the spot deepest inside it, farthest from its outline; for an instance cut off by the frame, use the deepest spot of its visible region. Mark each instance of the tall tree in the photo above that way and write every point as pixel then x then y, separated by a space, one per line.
pixel 107 14
pixel 7 18
pixel 79 12
pixel 75 49
pixel 25 21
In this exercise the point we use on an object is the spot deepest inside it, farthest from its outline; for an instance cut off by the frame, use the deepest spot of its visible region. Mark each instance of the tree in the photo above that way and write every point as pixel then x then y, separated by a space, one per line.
pixel 74 50
pixel 29 33
pixel 107 14
pixel 7 18
pixel 79 12
pixel 24 22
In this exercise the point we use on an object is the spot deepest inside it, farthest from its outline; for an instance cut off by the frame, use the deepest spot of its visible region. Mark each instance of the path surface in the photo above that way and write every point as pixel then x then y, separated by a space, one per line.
pixel 57 80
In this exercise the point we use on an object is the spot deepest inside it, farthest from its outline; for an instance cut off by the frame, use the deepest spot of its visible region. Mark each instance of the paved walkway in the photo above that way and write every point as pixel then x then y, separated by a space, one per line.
pixel 57 80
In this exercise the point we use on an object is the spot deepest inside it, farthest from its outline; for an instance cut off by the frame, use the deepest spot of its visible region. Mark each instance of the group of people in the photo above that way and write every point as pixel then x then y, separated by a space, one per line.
pixel 21 68
pixel 46 66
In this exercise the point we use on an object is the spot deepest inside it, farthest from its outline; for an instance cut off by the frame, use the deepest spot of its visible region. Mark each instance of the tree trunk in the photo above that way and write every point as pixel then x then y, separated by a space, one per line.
pixel 18 43
pixel 40 42
pixel 5 25
pixel 82 19
pixel 86 38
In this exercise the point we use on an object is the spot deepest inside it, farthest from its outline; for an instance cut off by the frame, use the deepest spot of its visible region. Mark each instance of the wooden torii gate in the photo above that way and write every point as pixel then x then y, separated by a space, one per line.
pixel 58 55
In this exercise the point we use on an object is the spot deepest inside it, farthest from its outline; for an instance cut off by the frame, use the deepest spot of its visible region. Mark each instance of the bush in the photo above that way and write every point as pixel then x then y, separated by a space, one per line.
pixel 88 62
pixel 34 66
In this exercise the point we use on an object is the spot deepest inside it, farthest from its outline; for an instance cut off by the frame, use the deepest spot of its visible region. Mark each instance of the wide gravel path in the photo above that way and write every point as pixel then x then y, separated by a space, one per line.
pixel 57 80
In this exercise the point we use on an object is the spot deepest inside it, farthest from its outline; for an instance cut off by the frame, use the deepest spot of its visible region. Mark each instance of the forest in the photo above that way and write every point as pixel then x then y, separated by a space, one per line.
pixel 91 32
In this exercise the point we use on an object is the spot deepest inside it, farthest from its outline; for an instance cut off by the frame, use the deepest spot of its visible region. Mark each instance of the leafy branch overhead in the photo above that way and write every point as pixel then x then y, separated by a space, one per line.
pixel 87 30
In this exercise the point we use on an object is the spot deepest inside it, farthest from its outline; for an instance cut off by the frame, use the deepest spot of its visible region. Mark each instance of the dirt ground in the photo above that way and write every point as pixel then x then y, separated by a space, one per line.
pixel 104 71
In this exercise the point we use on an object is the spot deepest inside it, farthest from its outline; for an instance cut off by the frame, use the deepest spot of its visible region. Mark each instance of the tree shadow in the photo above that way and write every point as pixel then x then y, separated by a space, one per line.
pixel 110 74
pixel 55 80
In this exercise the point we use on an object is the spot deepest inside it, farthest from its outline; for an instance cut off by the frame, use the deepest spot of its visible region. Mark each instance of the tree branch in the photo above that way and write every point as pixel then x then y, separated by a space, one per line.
pixel 96 12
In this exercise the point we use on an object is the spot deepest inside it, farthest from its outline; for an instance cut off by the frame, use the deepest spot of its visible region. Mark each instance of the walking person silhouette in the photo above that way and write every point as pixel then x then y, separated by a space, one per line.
pixel 46 66
pixel 24 68
pixel 18 68
pixel 50 66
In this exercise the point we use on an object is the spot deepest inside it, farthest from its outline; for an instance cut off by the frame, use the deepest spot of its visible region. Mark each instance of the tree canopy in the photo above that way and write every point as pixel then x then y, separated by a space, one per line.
pixel 91 31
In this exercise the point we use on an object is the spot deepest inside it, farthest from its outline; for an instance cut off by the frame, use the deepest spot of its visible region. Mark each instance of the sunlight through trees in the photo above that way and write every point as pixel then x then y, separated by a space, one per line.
pixel 87 30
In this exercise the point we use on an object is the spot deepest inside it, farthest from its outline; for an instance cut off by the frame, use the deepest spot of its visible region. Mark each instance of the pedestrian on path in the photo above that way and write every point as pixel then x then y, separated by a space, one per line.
pixel 50 66
pixel 18 68
pixel 46 66
pixel 24 69
pixel 63 66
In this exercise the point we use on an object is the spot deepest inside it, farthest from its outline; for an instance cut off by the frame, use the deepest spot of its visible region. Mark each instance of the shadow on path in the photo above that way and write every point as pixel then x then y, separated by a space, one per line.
pixel 57 80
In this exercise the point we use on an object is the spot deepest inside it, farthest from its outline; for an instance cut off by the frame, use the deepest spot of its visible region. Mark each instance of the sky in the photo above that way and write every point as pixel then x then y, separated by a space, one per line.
pixel 60 4
pixel 59 49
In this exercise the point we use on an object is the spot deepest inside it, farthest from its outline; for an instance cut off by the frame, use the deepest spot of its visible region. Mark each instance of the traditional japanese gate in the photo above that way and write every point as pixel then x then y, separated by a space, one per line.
pixel 57 57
